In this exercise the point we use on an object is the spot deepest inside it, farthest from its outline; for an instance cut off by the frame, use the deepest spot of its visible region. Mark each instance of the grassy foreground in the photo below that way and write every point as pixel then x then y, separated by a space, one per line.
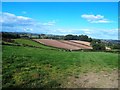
pixel 37 67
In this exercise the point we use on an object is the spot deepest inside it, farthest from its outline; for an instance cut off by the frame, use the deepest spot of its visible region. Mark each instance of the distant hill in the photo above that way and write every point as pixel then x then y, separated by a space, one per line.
pixel 58 36
pixel 111 41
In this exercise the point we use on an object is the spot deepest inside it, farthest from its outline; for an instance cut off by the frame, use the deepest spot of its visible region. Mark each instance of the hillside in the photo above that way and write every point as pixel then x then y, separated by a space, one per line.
pixel 25 66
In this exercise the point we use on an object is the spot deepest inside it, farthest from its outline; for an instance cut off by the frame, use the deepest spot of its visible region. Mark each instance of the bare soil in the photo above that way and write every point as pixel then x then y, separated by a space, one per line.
pixel 64 44
pixel 80 45
pixel 102 79
pixel 81 42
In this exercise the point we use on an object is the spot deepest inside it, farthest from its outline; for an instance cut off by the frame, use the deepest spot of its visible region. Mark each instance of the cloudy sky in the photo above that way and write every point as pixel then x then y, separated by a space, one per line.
pixel 97 20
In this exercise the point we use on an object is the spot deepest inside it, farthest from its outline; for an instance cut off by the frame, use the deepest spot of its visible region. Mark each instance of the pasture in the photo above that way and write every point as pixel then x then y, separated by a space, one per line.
pixel 46 67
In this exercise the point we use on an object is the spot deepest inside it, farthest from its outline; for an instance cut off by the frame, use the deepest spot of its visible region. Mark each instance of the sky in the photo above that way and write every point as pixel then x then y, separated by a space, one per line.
pixel 60 0
pixel 95 19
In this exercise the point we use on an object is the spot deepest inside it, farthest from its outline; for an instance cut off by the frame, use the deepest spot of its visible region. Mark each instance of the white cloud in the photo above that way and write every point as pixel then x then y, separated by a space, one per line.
pixel 91 32
pixel 87 31
pixel 28 29
pixel 12 22
pixel 50 23
pixel 76 31
pixel 92 17
pixel 9 19
pixel 101 21
pixel 104 33
pixel 95 18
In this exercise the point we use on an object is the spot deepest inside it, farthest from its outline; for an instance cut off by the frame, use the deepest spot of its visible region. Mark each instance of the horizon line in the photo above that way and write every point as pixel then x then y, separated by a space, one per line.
pixel 59 35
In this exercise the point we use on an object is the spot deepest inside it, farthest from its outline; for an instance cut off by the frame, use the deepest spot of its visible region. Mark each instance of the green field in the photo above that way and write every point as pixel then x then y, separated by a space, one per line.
pixel 31 43
pixel 46 67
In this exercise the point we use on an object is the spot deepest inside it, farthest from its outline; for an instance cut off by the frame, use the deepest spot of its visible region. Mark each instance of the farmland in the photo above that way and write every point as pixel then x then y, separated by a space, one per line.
pixel 65 44
pixel 31 43
pixel 48 67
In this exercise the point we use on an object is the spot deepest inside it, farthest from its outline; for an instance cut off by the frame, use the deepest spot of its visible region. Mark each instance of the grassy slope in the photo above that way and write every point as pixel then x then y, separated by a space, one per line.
pixel 32 43
pixel 33 67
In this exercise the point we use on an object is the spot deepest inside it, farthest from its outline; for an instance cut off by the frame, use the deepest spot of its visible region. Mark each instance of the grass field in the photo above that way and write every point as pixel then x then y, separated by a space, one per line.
pixel 38 67
pixel 32 43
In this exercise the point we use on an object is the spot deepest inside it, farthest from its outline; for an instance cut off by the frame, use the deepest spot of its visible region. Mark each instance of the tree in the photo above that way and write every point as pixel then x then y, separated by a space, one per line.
pixel 39 36
pixel 83 37
pixel 97 45
pixel 80 37
pixel 116 46
pixel 69 37
pixel 10 35
pixel 89 39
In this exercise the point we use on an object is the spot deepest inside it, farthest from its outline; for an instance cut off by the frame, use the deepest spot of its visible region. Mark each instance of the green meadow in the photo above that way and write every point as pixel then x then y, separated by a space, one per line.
pixel 25 66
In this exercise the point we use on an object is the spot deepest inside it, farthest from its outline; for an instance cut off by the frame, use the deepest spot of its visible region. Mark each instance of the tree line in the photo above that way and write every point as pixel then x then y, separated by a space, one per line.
pixel 10 35
pixel 95 43
pixel 78 37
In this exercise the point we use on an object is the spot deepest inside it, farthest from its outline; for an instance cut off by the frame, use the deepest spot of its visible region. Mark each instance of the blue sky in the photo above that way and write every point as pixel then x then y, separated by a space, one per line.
pixel 95 19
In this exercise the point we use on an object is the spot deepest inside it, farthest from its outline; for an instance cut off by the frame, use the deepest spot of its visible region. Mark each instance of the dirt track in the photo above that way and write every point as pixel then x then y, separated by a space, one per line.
pixel 102 79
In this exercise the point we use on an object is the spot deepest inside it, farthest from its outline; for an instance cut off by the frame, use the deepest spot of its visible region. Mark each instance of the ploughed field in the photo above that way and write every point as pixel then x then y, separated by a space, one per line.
pixel 65 44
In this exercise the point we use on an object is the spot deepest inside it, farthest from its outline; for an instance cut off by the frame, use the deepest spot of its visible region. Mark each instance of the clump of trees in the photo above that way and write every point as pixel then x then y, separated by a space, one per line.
pixel 10 35
pixel 116 46
pixel 80 37
pixel 97 45
pixel 71 37
pixel 113 45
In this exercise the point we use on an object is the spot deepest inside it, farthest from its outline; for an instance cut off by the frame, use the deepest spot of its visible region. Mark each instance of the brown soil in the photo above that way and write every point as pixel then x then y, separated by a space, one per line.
pixel 102 79
pixel 81 42
pixel 82 46
pixel 63 44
